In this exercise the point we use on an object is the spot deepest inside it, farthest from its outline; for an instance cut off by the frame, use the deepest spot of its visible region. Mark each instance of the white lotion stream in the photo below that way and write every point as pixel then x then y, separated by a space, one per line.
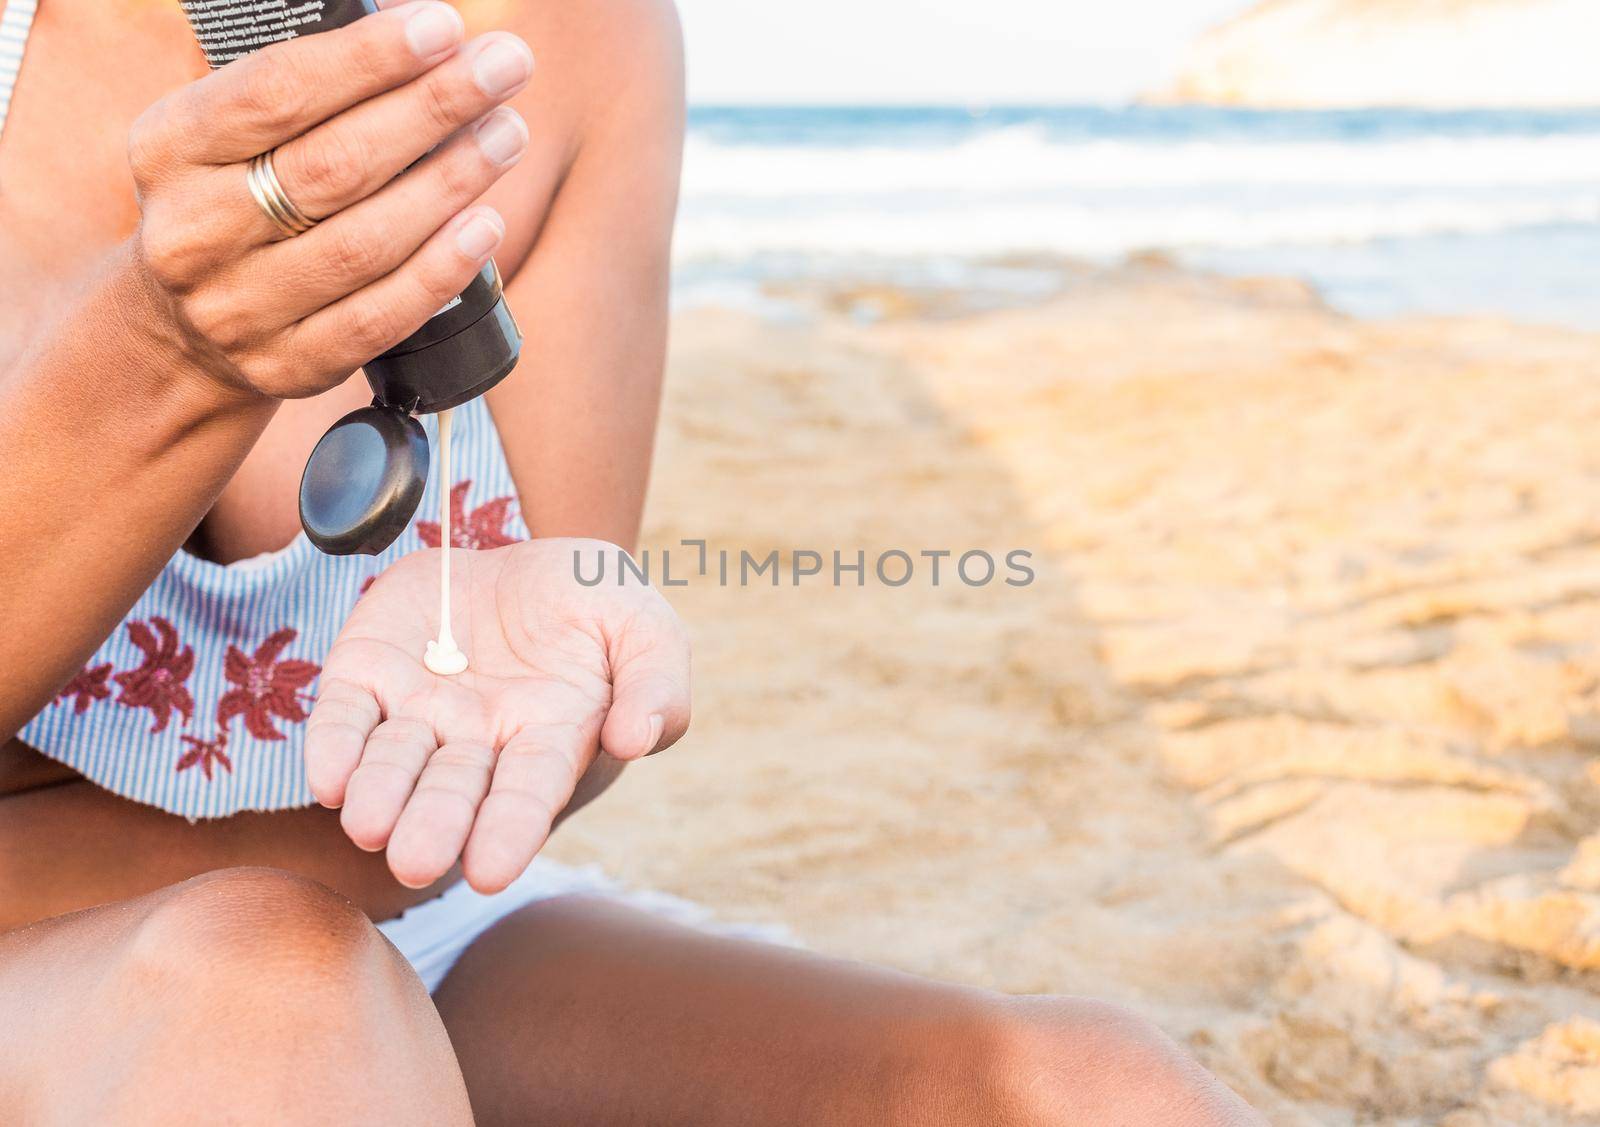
pixel 444 657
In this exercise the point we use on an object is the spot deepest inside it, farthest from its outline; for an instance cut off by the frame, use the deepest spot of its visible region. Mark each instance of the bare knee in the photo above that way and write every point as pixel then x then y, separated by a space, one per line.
pixel 296 998
pixel 280 950
pixel 1064 1061
pixel 257 930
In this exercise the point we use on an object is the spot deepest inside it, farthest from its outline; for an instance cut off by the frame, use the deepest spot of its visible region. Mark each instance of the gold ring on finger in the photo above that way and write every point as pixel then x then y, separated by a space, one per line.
pixel 274 202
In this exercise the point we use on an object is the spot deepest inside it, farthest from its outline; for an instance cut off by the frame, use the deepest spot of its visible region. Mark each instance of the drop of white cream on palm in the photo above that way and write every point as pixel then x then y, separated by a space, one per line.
pixel 444 657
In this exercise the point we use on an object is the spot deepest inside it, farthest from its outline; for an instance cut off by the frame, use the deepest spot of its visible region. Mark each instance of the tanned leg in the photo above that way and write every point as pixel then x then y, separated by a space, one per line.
pixel 578 1011
pixel 240 997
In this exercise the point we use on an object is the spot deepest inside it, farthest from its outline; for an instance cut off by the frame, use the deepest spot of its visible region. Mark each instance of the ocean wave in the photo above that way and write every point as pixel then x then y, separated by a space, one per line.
pixel 1074 229
pixel 1024 158
pixel 1383 210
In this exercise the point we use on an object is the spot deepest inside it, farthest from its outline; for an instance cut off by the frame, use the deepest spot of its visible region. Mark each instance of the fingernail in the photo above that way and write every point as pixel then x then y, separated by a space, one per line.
pixel 479 235
pixel 433 29
pixel 504 64
pixel 657 723
pixel 502 136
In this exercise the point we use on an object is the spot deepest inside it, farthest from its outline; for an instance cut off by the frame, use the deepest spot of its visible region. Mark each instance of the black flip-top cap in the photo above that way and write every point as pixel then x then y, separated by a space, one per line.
pixel 446 371
pixel 364 481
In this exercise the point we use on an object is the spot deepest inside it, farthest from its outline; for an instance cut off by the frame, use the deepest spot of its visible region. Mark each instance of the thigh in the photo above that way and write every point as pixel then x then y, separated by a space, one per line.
pixel 579 1011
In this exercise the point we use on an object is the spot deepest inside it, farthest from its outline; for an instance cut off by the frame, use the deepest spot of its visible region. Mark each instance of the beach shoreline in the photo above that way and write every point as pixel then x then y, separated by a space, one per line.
pixel 1386 211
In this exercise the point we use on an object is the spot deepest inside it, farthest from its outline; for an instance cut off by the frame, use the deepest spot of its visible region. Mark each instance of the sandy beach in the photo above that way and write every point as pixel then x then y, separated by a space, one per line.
pixel 1289 744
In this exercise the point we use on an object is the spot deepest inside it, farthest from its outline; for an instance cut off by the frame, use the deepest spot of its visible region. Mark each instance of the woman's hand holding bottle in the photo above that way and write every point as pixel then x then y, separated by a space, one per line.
pixel 350 117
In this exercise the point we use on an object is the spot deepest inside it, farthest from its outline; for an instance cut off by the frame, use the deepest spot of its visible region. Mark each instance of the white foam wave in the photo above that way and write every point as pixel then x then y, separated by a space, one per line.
pixel 1026 158
pixel 1021 190
pixel 1094 232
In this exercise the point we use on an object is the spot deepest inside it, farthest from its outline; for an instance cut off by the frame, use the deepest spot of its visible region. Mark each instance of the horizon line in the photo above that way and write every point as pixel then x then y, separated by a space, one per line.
pixel 981 107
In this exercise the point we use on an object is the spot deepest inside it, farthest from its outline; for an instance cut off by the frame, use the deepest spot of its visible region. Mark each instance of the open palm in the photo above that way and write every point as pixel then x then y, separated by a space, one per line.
pixel 478 766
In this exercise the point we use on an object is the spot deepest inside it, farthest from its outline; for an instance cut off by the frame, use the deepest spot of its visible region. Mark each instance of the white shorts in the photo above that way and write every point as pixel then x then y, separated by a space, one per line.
pixel 432 935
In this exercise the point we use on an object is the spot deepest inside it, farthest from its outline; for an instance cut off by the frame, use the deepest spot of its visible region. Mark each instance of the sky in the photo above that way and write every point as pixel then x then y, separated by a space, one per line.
pixel 937 51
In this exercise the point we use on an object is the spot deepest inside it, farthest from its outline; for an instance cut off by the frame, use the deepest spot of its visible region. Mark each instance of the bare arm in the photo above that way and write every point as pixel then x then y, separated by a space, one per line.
pixel 115 446
pixel 578 417
pixel 123 421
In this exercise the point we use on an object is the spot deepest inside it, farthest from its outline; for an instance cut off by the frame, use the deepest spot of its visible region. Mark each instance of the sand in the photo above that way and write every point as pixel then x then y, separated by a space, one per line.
pixel 1290 744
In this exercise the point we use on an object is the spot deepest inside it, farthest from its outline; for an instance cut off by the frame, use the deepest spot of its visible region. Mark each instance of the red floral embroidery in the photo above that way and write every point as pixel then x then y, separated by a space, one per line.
pixel 204 753
pixel 87 687
pixel 484 527
pixel 267 687
pixel 158 684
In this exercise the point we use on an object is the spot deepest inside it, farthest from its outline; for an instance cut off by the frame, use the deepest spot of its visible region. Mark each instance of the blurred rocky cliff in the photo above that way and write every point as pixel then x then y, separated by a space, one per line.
pixel 1427 53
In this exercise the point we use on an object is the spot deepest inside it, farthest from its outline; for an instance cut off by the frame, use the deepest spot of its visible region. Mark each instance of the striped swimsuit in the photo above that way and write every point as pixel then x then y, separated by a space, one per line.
pixel 197 702
pixel 16 18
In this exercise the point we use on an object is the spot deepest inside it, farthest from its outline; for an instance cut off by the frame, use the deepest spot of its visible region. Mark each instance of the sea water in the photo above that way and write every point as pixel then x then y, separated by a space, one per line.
pixel 1385 211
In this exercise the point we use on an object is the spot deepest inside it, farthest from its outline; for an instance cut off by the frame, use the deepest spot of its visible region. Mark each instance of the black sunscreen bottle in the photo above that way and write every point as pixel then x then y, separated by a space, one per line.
pixel 366 477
